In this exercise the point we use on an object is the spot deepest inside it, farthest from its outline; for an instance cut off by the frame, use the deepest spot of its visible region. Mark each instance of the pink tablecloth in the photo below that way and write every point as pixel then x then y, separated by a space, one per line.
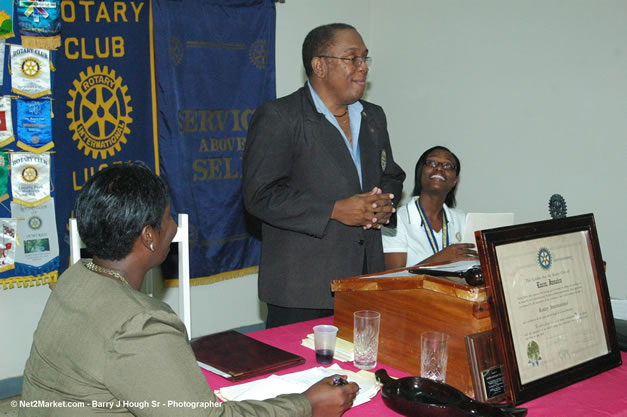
pixel 602 395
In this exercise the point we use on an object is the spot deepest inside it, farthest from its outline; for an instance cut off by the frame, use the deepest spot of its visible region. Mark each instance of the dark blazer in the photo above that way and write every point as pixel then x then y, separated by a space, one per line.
pixel 296 165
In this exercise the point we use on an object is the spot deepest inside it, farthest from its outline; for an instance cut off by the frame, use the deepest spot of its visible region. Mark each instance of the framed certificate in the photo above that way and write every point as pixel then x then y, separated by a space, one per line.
pixel 551 316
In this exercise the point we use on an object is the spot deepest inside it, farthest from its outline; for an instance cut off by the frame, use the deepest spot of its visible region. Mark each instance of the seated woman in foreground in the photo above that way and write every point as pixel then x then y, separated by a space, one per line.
pixel 104 344
pixel 429 229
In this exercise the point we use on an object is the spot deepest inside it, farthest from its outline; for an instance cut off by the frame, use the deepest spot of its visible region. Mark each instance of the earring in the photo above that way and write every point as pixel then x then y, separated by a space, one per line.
pixel 152 246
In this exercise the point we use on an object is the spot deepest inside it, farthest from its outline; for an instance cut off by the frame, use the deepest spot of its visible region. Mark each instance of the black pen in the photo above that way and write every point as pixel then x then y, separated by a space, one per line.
pixel 338 380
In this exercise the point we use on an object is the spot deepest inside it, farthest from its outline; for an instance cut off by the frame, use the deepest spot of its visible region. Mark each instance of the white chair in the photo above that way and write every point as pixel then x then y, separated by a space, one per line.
pixel 182 239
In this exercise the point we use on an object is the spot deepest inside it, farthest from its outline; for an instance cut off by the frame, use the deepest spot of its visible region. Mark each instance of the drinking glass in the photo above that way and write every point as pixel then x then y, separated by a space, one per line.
pixel 366 338
pixel 434 356
pixel 324 342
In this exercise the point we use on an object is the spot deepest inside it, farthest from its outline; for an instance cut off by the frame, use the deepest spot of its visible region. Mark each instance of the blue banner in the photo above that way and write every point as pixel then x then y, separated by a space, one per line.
pixel 215 66
pixel 34 125
pixel 102 94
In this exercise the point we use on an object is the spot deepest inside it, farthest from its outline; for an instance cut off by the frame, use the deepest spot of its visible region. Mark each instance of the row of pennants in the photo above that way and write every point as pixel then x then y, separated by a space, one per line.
pixel 30 77
pixel 28 239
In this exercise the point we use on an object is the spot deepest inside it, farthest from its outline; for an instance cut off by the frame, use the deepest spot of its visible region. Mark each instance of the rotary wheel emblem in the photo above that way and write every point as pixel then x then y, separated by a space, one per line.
pixel 30 174
pixel 557 207
pixel 99 112
pixel 30 68
pixel 258 53
pixel 34 222
pixel 544 258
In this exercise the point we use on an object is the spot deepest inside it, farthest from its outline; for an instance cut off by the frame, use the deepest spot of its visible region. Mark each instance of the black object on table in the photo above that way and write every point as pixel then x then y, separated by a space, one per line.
pixel 473 276
pixel 421 397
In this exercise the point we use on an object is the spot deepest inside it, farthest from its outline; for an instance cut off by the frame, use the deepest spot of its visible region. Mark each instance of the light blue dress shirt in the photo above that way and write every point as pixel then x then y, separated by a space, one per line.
pixel 354 113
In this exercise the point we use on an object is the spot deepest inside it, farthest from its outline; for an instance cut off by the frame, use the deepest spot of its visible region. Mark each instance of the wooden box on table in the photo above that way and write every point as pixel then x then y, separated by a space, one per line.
pixel 410 305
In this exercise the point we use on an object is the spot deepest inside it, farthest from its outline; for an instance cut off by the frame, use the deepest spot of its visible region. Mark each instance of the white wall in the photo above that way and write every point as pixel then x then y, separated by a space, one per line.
pixel 530 94
pixel 20 310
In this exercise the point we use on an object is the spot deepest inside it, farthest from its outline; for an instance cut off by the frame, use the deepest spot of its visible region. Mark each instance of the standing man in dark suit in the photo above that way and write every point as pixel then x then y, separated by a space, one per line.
pixel 319 174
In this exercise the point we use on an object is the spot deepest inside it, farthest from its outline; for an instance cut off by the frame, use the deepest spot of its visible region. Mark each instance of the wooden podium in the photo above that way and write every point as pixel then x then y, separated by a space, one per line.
pixel 410 305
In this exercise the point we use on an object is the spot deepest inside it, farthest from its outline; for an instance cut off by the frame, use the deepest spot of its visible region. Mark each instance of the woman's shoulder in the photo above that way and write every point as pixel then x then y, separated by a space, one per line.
pixel 150 322
pixel 97 296
pixel 410 208
pixel 140 306
pixel 410 204
pixel 403 214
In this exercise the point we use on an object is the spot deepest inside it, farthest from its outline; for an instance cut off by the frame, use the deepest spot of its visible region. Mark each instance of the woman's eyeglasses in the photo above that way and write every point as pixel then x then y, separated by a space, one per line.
pixel 445 165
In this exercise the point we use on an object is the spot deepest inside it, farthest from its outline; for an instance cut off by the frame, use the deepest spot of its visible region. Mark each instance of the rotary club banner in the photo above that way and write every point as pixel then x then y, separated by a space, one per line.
pixel 6 122
pixel 7 244
pixel 34 125
pixel 103 100
pixel 30 178
pixel 39 23
pixel 6 19
pixel 38 249
pixel 30 71
pixel 203 120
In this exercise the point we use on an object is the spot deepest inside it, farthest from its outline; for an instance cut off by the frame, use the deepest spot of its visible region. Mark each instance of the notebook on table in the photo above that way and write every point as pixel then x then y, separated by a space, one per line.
pixel 240 357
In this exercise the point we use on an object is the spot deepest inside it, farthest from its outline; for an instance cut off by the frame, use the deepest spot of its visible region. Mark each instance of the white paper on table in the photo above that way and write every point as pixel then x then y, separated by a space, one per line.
pixel 212 369
pixel 343 349
pixel 397 274
pixel 459 266
pixel 297 382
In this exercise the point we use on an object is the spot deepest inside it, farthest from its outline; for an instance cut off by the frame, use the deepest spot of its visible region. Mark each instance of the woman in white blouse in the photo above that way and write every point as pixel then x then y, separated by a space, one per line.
pixel 429 229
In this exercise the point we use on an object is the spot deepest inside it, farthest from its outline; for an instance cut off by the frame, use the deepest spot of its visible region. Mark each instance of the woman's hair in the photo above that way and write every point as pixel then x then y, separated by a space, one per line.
pixel 450 197
pixel 114 205
pixel 318 41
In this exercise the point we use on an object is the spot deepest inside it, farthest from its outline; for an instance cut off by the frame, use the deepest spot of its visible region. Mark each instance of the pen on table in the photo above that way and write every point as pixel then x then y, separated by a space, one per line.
pixel 338 380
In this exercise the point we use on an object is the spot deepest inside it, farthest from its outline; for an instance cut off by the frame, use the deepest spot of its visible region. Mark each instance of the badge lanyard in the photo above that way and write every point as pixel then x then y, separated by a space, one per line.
pixel 429 230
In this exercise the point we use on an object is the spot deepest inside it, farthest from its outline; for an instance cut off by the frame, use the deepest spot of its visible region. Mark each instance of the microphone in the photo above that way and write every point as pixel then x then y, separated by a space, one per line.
pixel 473 276
pixel 557 207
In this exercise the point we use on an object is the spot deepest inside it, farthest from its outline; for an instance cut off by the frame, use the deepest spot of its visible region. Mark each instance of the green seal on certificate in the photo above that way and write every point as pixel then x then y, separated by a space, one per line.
pixel 533 353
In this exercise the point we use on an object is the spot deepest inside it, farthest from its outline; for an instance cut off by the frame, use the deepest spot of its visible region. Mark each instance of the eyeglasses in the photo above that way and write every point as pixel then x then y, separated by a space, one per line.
pixel 356 60
pixel 445 165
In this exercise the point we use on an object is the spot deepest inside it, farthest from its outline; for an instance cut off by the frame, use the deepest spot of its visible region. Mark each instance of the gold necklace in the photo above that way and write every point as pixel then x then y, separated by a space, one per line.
pixel 97 268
